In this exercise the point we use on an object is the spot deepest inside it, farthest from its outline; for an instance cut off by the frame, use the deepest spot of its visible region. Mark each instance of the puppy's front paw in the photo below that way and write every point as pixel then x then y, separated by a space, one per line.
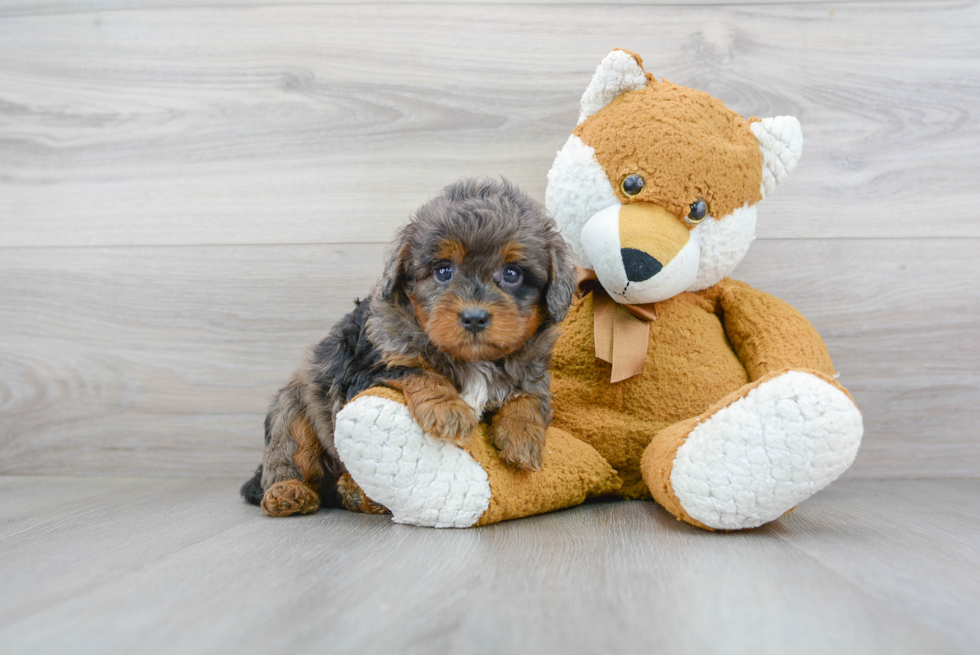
pixel 448 419
pixel 518 430
pixel 525 452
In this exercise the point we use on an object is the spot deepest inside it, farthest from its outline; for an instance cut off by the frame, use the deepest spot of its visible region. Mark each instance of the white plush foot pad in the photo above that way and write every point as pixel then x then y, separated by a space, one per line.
pixel 756 459
pixel 421 480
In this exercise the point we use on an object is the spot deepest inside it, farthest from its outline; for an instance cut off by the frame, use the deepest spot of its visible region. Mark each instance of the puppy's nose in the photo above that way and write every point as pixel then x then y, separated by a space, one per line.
pixel 474 319
pixel 639 265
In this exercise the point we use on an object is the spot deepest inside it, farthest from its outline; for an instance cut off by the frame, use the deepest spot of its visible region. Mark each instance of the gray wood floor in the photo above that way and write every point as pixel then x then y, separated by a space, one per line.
pixel 111 565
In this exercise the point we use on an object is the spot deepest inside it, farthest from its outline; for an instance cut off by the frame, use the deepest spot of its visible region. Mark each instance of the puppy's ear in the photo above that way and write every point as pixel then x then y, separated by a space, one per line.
pixel 397 257
pixel 561 286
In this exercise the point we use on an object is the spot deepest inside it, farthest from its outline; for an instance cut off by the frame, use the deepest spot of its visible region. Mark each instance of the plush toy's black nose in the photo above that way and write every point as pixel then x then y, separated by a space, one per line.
pixel 474 319
pixel 639 265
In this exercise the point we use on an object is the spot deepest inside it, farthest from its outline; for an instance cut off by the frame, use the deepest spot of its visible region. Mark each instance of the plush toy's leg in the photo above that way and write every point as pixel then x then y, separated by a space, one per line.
pixel 757 454
pixel 429 482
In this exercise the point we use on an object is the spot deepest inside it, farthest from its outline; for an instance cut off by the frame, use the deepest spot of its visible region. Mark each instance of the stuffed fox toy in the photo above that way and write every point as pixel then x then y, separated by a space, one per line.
pixel 670 380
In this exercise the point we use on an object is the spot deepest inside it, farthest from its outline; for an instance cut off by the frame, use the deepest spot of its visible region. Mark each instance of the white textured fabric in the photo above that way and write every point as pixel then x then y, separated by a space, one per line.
pixel 781 142
pixel 723 245
pixel 617 73
pixel 602 248
pixel 422 480
pixel 577 189
pixel 756 459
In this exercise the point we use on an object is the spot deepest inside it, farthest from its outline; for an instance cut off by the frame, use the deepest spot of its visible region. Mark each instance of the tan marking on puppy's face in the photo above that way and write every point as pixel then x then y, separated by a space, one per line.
pixel 496 258
pixel 507 331
pixel 512 252
pixel 502 277
pixel 450 250
pixel 684 143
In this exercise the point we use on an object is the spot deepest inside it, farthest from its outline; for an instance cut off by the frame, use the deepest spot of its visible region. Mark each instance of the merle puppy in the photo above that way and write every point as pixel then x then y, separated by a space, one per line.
pixel 462 322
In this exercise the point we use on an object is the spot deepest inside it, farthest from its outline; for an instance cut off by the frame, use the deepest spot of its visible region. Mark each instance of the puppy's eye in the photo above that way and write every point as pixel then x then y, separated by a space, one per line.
pixel 443 273
pixel 512 276
pixel 699 209
pixel 632 185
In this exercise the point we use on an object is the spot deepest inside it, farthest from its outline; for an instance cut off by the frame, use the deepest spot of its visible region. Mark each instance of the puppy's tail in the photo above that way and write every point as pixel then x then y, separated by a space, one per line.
pixel 252 490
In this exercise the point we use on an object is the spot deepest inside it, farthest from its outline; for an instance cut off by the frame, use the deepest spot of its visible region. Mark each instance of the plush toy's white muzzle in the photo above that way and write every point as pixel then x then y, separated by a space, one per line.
pixel 640 253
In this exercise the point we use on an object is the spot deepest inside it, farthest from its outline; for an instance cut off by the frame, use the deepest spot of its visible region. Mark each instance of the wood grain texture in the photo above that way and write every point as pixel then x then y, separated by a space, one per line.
pixel 926 525
pixel 191 194
pixel 161 361
pixel 329 123
pixel 44 7
pixel 184 566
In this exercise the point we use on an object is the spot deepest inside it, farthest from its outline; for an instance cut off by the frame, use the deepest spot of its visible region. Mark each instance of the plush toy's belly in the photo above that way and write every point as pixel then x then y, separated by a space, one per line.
pixel 689 366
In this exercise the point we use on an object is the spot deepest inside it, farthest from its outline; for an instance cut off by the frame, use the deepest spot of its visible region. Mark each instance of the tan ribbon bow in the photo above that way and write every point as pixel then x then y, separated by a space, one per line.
pixel 621 332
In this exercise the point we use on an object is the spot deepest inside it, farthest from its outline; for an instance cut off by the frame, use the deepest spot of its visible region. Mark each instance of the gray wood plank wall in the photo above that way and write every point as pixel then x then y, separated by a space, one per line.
pixel 192 192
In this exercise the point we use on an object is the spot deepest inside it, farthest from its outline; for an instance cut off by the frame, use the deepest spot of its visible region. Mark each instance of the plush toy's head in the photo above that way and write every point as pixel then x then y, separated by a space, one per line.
pixel 656 188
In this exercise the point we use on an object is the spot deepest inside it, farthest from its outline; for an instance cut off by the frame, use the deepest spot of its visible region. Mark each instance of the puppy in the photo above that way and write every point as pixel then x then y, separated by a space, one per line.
pixel 462 322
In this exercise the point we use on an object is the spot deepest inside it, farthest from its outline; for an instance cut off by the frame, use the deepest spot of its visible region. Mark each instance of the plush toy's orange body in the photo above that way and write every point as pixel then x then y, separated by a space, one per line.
pixel 678 381
pixel 670 379
pixel 744 337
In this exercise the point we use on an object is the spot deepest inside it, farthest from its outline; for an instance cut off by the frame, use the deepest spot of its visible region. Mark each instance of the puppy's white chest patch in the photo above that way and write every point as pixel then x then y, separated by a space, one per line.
pixel 476 389
pixel 476 394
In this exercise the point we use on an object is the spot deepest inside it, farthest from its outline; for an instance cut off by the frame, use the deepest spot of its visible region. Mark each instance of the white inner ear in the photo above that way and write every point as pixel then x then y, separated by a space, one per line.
pixel 723 245
pixel 781 143
pixel 617 73
pixel 577 189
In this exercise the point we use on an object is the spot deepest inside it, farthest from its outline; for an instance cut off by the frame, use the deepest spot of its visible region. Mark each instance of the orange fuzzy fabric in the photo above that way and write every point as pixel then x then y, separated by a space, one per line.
pixel 572 472
pixel 690 366
pixel 683 142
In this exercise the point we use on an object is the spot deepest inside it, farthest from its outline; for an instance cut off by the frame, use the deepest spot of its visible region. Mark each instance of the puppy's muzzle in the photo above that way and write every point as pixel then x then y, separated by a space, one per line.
pixel 474 319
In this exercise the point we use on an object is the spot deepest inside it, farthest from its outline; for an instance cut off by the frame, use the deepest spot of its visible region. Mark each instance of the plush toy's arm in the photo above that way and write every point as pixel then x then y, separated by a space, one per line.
pixel 768 334
pixel 427 481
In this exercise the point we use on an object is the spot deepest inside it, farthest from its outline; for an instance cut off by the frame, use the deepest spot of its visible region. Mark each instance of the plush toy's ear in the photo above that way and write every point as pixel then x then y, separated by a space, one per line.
pixel 561 285
pixel 781 143
pixel 619 72
pixel 397 254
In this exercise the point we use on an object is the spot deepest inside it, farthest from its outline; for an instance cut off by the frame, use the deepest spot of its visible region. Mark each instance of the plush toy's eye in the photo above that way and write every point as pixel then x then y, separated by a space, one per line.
pixel 443 272
pixel 699 209
pixel 512 276
pixel 632 185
